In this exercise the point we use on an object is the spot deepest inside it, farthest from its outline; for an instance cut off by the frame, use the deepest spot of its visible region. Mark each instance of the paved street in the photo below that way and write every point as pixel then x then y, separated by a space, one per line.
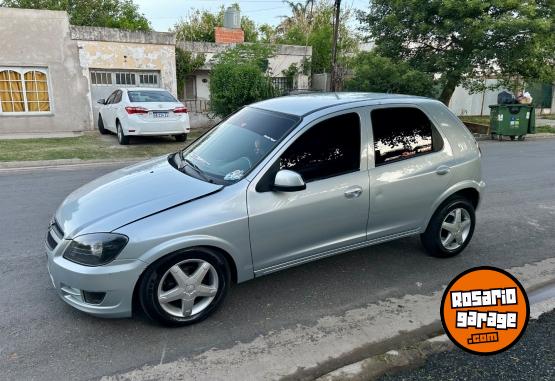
pixel 43 338
pixel 532 358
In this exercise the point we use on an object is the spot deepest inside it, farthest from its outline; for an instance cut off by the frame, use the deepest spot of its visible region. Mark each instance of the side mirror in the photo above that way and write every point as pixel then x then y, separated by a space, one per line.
pixel 101 101
pixel 288 181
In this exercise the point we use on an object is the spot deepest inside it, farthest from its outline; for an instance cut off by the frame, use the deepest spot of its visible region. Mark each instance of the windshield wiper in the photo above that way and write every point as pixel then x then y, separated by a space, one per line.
pixel 197 169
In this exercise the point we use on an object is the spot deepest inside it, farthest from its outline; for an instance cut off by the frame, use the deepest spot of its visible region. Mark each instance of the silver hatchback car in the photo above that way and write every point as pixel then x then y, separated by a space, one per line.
pixel 277 184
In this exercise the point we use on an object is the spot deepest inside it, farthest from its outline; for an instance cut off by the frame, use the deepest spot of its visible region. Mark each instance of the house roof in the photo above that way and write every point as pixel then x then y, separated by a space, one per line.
pixel 304 104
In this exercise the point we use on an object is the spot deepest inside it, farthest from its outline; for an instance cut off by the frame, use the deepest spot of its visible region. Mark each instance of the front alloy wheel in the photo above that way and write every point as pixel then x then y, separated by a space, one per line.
pixel 188 287
pixel 184 287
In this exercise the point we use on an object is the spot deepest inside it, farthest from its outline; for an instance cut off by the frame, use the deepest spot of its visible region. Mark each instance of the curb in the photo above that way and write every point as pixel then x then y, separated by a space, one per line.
pixel 63 163
pixel 537 136
pixel 542 300
pixel 391 361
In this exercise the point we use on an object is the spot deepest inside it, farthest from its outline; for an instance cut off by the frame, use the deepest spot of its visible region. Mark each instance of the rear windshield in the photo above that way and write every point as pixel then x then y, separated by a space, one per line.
pixel 150 96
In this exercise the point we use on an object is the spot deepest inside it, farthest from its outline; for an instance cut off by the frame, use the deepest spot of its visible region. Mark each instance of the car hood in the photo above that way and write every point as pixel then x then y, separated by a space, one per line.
pixel 126 195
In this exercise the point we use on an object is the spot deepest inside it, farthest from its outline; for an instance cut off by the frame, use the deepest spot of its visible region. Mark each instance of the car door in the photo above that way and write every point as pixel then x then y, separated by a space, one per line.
pixel 409 169
pixel 115 107
pixel 107 112
pixel 331 213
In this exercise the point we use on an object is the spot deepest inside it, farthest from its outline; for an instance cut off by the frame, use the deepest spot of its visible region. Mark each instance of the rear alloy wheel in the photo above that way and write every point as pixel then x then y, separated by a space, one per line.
pixel 101 128
pixel 181 137
pixel 450 228
pixel 184 288
pixel 122 139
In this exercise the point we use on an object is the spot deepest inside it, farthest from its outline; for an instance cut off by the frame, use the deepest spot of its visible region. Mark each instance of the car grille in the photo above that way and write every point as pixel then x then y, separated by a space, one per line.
pixel 54 236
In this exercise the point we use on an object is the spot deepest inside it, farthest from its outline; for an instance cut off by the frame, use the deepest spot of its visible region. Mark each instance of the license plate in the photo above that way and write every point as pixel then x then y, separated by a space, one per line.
pixel 160 114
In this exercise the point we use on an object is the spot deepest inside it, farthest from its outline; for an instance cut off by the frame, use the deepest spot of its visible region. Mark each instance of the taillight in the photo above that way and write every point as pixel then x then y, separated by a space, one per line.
pixel 136 110
pixel 180 110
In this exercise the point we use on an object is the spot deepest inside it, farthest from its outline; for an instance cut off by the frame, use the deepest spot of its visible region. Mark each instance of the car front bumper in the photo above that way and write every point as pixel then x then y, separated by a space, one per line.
pixel 115 281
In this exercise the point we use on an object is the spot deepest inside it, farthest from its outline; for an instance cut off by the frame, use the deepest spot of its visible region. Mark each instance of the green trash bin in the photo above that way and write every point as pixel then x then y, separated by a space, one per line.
pixel 514 121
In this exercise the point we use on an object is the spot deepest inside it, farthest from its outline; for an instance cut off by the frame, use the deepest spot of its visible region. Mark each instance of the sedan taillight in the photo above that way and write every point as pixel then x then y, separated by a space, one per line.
pixel 180 110
pixel 136 110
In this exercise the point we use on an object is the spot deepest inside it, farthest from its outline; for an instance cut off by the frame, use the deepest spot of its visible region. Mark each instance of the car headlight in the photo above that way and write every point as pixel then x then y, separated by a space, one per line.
pixel 95 249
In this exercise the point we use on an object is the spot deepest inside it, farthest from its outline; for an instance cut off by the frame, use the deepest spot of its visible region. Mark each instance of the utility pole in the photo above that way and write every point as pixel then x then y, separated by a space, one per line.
pixel 334 48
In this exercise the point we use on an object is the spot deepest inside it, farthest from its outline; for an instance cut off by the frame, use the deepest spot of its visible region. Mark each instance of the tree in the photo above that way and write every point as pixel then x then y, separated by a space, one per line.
pixel 312 25
pixel 122 14
pixel 465 39
pixel 267 34
pixel 200 25
pixel 239 77
pixel 186 63
pixel 375 73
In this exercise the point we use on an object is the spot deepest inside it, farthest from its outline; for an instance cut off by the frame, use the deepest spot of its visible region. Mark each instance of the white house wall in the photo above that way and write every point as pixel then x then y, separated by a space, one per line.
pixel 41 39
pixel 464 103
pixel 203 88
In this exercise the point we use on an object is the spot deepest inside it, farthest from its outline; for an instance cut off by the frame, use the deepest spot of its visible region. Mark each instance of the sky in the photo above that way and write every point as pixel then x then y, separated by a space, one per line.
pixel 163 14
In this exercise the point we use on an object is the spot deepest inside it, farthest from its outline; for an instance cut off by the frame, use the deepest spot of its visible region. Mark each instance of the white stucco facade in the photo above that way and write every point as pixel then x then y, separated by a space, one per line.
pixel 285 56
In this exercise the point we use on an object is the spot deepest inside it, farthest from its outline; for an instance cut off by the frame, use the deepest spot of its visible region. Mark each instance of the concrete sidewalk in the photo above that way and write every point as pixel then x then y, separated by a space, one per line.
pixel 9 166
pixel 437 362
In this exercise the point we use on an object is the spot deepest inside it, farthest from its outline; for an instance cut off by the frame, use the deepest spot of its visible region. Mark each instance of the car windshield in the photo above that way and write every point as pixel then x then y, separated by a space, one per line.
pixel 232 149
pixel 150 96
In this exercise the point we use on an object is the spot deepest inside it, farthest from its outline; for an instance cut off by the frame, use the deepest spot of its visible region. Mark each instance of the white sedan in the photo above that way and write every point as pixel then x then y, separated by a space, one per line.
pixel 138 111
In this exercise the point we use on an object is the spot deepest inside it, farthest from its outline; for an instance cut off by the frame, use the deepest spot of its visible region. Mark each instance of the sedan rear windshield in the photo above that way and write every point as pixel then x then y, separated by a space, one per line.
pixel 150 96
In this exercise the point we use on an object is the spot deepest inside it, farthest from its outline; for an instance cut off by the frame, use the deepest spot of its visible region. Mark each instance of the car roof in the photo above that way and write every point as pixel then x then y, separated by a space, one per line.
pixel 304 104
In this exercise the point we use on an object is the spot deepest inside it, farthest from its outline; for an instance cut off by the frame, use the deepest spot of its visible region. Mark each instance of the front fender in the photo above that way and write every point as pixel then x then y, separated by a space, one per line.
pixel 244 267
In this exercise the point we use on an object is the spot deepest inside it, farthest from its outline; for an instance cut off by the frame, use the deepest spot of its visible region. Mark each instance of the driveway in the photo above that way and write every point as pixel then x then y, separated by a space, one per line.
pixel 43 338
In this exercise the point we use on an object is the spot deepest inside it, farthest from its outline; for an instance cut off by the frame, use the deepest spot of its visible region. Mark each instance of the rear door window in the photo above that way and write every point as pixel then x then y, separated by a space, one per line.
pixel 401 133
pixel 110 99
pixel 117 98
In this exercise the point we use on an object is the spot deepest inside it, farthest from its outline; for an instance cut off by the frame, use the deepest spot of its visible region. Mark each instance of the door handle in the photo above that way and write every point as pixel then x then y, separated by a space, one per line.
pixel 442 170
pixel 353 192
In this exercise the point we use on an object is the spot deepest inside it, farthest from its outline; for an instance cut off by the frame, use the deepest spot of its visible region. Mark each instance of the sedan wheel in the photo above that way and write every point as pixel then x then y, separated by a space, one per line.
pixel 122 139
pixel 184 287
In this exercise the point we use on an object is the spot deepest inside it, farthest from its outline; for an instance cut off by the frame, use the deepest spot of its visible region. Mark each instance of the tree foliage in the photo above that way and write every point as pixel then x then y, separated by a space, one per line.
pixel 239 77
pixel 185 63
pixel 465 39
pixel 312 25
pixel 122 14
pixel 257 54
pixel 375 73
pixel 200 26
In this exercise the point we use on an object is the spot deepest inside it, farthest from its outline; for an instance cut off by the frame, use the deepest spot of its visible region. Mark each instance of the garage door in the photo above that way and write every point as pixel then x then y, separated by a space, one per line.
pixel 104 82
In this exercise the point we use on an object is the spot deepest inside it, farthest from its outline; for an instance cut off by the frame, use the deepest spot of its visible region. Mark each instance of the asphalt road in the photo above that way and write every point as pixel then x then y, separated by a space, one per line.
pixel 43 338
pixel 532 358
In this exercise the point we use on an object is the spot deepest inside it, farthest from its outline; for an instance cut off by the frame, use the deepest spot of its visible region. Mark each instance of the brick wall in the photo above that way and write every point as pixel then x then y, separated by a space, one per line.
pixel 229 36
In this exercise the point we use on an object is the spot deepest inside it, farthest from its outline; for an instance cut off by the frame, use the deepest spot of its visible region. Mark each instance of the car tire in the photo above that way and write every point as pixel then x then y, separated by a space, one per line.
pixel 101 128
pixel 159 278
pixel 122 139
pixel 437 235
pixel 181 137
